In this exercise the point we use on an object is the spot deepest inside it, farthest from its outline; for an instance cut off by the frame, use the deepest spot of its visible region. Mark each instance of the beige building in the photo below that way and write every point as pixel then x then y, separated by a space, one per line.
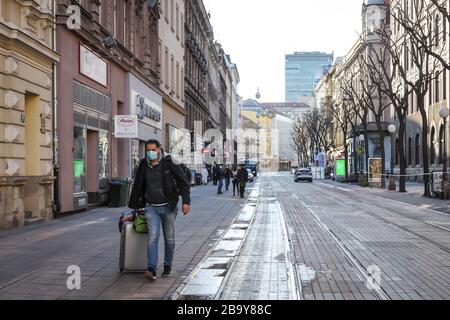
pixel 172 69
pixel 27 60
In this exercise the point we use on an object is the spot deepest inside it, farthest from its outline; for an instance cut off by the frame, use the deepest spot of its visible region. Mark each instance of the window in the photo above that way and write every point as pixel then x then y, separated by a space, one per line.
pixel 444 85
pixel 410 151
pixel 441 145
pixel 103 158
pixel 397 153
pixel 437 84
pixel 178 23
pixel 172 12
pixel 178 80
pixel 115 19
pixel 166 10
pixel 436 31
pixel 444 29
pixel 79 160
pixel 166 68
pixel 417 150
pixel 433 147
pixel 182 30
pixel 125 22
pixel 172 75
pixel 182 84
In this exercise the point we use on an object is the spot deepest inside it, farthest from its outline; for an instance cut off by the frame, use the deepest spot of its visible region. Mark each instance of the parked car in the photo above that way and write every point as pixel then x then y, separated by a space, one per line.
pixel 303 175
pixel 251 177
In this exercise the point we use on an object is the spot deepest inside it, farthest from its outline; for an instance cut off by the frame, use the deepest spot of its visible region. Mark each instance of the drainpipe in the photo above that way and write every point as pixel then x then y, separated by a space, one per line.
pixel 56 198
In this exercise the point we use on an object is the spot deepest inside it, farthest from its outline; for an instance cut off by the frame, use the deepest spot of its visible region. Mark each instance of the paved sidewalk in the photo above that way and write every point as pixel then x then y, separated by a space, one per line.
pixel 34 260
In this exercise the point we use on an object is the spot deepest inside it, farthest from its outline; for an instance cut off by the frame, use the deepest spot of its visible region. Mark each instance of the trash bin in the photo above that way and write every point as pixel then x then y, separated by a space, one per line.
pixel 119 192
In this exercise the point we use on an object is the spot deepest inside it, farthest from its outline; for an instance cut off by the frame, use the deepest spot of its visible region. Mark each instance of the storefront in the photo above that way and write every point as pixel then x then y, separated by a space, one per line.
pixel 146 103
pixel 91 90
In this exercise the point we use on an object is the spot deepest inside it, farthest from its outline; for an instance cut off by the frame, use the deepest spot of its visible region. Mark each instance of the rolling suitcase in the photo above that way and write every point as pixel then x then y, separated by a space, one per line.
pixel 133 249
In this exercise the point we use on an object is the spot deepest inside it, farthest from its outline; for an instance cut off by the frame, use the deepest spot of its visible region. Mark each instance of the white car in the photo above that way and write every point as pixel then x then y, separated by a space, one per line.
pixel 251 177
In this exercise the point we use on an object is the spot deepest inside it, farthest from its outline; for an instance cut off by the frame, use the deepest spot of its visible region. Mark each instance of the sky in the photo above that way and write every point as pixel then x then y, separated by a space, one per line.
pixel 258 33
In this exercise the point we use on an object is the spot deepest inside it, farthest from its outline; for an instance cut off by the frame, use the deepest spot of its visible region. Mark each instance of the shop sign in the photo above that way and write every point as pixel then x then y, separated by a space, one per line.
pixel 125 126
pixel 92 66
pixel 145 110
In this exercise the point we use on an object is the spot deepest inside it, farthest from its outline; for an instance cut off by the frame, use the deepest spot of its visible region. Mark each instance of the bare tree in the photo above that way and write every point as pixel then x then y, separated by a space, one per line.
pixel 393 87
pixel 373 85
pixel 343 115
pixel 300 142
pixel 420 41
pixel 353 92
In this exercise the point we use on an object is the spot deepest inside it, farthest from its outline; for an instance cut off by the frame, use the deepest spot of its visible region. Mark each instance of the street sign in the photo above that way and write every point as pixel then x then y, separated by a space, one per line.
pixel 340 168
pixel 126 127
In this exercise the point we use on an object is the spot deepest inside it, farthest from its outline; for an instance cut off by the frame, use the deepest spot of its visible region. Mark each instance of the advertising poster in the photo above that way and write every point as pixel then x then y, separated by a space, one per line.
pixel 340 168
pixel 375 167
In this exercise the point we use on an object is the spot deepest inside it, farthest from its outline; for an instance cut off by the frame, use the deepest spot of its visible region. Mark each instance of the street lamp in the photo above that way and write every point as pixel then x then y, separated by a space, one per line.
pixel 392 130
pixel 362 138
pixel 444 113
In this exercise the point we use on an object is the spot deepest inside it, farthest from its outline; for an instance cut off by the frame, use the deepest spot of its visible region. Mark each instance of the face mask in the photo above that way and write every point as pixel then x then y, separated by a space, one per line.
pixel 152 155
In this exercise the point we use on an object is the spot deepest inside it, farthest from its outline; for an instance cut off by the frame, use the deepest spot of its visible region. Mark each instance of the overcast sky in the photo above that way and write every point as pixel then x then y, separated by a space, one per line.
pixel 258 33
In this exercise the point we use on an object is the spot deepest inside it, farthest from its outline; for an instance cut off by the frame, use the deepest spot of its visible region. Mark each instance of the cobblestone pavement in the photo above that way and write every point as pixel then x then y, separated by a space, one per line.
pixel 348 243
pixel 34 260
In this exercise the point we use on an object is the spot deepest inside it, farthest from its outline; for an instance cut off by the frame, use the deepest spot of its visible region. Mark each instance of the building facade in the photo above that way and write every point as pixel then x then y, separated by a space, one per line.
pixel 172 67
pixel 302 72
pixel 27 60
pixel 198 32
pixel 109 66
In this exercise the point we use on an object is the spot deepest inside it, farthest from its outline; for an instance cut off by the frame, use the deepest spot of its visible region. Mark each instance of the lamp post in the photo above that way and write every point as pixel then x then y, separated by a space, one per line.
pixel 360 151
pixel 392 130
pixel 444 113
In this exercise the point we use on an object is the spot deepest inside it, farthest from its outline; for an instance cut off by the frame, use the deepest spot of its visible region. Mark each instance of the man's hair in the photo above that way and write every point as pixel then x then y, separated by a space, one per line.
pixel 153 141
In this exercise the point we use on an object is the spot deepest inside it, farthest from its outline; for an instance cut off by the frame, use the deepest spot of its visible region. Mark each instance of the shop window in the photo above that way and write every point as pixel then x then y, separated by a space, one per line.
pixel 103 160
pixel 79 159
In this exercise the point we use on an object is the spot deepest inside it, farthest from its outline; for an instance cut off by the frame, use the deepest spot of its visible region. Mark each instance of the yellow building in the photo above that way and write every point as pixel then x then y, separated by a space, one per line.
pixel 262 118
pixel 27 60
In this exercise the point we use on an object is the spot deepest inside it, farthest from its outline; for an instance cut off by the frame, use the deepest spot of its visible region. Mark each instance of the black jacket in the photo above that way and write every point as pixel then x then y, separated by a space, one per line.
pixel 174 185
pixel 242 175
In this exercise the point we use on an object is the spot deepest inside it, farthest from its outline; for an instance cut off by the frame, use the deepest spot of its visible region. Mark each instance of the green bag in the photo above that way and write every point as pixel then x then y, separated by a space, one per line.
pixel 140 224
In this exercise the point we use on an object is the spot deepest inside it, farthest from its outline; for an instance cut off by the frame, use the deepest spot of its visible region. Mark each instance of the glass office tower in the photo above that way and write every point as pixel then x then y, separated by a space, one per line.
pixel 302 72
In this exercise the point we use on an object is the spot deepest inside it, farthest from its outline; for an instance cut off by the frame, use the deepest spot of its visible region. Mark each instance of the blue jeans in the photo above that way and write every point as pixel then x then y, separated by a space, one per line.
pixel 227 183
pixel 220 186
pixel 157 216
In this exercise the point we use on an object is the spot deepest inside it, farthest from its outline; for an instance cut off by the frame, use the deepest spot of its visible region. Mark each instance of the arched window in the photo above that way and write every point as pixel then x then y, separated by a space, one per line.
pixel 410 151
pixel 441 144
pixel 433 147
pixel 417 149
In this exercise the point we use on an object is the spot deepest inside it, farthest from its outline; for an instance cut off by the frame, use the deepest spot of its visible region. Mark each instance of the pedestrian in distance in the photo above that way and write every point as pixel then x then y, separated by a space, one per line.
pixel 243 179
pixel 215 175
pixel 205 174
pixel 227 175
pixel 157 187
pixel 234 174
pixel 220 176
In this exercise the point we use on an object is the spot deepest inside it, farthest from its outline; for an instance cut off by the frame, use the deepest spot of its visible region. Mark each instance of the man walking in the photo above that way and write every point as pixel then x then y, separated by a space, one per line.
pixel 205 175
pixel 243 179
pixel 157 187
pixel 227 175
pixel 220 179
